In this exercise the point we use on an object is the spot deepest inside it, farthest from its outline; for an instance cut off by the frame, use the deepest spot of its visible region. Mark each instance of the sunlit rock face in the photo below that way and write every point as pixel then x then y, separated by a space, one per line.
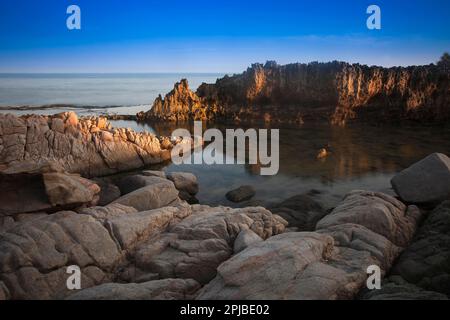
pixel 89 146
pixel 294 93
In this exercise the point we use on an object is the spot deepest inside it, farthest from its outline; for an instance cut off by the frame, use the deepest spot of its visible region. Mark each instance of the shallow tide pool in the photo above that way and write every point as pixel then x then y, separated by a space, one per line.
pixel 361 157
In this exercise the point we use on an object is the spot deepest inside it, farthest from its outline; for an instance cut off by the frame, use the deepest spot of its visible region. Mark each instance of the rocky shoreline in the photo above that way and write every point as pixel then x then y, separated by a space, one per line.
pixel 89 146
pixel 142 236
pixel 335 92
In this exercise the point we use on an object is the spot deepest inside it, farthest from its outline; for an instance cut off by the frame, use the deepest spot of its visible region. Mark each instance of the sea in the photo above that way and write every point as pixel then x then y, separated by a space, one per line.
pixel 361 156
pixel 92 93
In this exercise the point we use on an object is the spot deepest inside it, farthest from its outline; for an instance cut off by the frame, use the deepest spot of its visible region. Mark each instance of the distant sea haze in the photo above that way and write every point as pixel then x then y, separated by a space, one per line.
pixel 91 93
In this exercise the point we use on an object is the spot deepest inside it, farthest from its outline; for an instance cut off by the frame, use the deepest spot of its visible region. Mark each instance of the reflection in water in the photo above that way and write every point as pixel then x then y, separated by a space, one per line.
pixel 362 157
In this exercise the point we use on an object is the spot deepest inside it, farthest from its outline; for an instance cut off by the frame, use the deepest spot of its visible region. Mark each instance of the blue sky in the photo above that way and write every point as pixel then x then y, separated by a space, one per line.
pixel 216 36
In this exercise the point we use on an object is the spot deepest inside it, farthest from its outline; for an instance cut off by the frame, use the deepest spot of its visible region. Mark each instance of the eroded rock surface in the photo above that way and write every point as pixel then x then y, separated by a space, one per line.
pixel 34 255
pixel 116 243
pixel 167 289
pixel 330 263
pixel 294 93
pixel 195 247
pixel 88 146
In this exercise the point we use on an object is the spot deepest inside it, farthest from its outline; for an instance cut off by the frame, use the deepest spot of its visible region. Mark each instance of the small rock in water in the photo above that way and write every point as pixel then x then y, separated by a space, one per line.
pixel 241 194
pixel 323 153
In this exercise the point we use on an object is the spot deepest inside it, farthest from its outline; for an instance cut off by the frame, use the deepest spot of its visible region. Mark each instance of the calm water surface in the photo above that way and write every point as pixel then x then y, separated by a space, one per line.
pixel 362 157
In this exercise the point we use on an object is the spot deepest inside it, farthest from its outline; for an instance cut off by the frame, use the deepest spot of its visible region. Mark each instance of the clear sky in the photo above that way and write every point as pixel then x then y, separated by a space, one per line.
pixel 216 36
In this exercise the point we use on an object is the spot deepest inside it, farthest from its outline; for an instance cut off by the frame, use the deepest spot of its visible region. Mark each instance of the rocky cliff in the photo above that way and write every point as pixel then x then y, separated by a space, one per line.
pixel 334 91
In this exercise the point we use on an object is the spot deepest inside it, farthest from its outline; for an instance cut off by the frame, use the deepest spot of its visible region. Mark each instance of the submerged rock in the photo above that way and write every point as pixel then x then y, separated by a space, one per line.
pixel 322 154
pixel 425 182
pixel 240 194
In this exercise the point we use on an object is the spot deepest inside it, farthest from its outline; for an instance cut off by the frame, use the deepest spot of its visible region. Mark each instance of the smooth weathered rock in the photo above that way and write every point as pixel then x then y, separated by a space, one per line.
pixel 240 194
pixel 427 181
pixel 88 146
pixel 330 263
pixel 49 191
pixel 244 239
pixel 184 181
pixel 65 190
pixel 195 247
pixel 167 289
pixel 270 269
pixel 110 211
pixel 152 196
pixel 426 262
pixel 34 255
pixel 300 211
pixel 378 212
pixel 395 288
pixel 129 229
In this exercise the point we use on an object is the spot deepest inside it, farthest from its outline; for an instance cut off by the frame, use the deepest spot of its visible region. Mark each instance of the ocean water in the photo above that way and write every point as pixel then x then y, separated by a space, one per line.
pixel 364 157
pixel 90 93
